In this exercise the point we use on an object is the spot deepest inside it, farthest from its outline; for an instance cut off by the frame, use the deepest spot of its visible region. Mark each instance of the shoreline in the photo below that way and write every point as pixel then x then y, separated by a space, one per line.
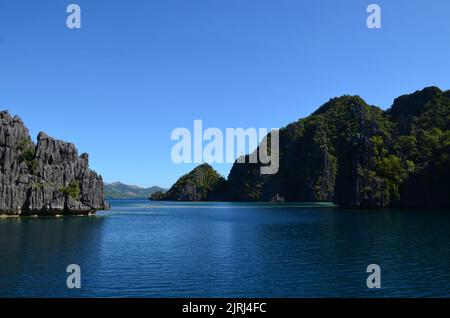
pixel 47 215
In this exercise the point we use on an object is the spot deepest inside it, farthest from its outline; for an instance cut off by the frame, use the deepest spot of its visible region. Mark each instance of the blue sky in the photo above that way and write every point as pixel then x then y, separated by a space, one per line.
pixel 138 69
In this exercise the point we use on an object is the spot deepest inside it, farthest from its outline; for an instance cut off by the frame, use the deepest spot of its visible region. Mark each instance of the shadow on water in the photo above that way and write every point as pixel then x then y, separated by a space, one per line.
pixel 36 251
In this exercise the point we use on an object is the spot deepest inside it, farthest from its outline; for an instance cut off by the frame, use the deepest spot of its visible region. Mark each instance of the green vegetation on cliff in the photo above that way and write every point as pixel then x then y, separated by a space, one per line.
pixel 358 155
pixel 422 141
pixel 351 153
pixel 28 154
pixel 72 190
pixel 201 184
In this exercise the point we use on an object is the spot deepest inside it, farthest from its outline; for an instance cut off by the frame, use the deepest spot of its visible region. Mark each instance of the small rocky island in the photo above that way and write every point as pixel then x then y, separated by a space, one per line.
pixel 201 184
pixel 47 178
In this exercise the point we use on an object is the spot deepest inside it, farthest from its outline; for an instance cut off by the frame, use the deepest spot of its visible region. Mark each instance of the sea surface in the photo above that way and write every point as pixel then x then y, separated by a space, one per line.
pixel 165 249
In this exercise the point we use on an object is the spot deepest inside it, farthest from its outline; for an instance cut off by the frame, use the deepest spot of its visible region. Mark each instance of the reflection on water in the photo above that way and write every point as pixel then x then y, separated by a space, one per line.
pixel 157 249
pixel 36 251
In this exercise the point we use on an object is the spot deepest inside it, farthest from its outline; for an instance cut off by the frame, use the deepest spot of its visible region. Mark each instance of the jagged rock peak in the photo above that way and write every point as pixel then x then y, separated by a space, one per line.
pixel 413 104
pixel 46 178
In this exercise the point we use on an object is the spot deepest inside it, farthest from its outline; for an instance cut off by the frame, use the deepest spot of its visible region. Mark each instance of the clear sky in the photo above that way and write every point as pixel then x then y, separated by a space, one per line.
pixel 138 69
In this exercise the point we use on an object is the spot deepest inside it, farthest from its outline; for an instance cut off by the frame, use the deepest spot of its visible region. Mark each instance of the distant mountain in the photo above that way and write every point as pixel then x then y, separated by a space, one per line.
pixel 121 190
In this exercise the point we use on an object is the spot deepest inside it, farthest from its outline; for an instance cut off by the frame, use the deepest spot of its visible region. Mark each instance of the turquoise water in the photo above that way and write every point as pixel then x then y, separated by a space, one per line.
pixel 158 249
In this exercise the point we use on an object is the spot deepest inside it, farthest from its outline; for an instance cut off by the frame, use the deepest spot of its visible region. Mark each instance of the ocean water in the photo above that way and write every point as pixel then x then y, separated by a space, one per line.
pixel 165 249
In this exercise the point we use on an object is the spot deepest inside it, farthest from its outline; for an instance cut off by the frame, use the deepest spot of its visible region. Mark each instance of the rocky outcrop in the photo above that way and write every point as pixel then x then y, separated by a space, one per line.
pixel 348 152
pixel 47 178
pixel 324 157
pixel 277 199
pixel 358 155
pixel 201 184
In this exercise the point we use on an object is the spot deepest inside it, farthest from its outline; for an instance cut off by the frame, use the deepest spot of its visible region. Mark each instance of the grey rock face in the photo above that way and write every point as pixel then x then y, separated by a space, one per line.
pixel 45 179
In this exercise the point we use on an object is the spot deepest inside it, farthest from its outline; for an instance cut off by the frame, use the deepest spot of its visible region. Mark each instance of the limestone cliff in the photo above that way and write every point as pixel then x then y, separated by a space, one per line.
pixel 358 155
pixel 47 178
